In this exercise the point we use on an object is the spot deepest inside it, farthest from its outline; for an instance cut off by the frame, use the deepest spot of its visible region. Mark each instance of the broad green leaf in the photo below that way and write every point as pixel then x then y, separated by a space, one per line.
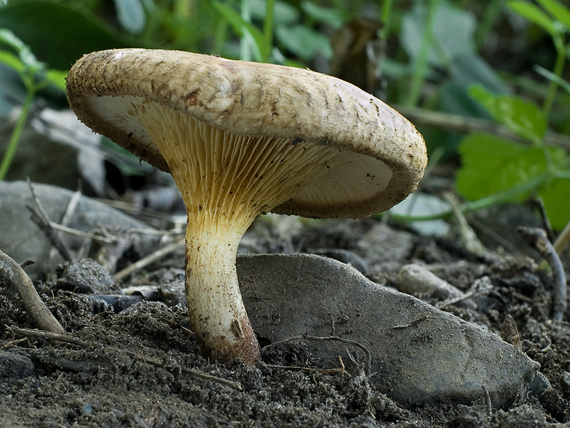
pixel 9 38
pixel 25 54
pixel 304 41
pixel 453 33
pixel 491 165
pixel 130 14
pixel 481 95
pixel 333 17
pixel 469 68
pixel 534 14
pixel 242 27
pixel 558 11
pixel 56 78
pixel 557 202
pixel 58 33
pixel 12 61
pixel 521 116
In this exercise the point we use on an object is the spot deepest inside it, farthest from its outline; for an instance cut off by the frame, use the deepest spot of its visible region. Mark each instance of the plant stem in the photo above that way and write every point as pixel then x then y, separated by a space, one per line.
pixel 268 29
pixel 386 18
pixel 490 16
pixel 480 203
pixel 16 133
pixel 421 64
pixel 246 41
pixel 558 68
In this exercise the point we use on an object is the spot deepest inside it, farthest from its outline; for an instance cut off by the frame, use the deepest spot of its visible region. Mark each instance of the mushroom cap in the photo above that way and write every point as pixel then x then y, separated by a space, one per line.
pixel 386 155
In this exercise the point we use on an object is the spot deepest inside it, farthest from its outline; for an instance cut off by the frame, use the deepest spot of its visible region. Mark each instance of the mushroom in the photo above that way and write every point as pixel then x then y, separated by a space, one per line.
pixel 242 139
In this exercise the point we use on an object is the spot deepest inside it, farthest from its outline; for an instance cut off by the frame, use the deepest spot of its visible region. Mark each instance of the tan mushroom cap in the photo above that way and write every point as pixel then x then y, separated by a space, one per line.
pixel 383 155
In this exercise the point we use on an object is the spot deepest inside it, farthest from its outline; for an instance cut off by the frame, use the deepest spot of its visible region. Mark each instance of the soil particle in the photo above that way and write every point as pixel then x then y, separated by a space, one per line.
pixel 134 369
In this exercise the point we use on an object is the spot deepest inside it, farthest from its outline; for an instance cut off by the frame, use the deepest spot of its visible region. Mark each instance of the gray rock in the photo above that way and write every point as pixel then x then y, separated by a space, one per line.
pixel 419 354
pixel 84 276
pixel 374 244
pixel 56 148
pixel 23 240
pixel 14 365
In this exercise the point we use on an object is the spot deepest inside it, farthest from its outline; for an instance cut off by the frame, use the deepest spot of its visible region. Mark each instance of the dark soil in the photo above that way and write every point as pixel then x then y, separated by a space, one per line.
pixel 133 367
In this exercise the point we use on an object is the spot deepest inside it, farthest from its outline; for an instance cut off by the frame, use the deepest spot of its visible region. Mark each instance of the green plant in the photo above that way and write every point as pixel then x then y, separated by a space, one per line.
pixel 555 19
pixel 493 165
pixel 35 77
pixel 280 29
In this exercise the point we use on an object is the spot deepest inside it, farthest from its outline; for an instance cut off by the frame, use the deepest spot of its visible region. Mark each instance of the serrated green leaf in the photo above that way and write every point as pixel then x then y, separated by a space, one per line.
pixel 558 11
pixel 12 61
pixel 534 14
pixel 523 117
pixel 557 202
pixel 492 164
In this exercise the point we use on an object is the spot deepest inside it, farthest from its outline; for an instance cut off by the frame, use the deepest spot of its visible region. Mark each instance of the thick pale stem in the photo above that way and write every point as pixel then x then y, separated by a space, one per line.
pixel 226 181
pixel 215 305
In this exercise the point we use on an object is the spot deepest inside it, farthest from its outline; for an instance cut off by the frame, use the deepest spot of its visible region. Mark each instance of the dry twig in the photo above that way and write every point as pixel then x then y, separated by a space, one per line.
pixel 40 217
pixel 328 338
pixel 536 238
pixel 67 215
pixel 142 263
pixel 12 273
pixel 562 239
pixel 468 125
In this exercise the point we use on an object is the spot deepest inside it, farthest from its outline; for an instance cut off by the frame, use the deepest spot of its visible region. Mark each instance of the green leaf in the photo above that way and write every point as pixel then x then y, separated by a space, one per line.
pixel 481 95
pixel 534 14
pixel 491 165
pixel 26 56
pixel 130 14
pixel 304 41
pixel 453 33
pixel 558 11
pixel 469 68
pixel 12 61
pixel 557 202
pixel 9 38
pixel 241 27
pixel 58 33
pixel 334 17
pixel 56 78
pixel 523 117
pixel 284 13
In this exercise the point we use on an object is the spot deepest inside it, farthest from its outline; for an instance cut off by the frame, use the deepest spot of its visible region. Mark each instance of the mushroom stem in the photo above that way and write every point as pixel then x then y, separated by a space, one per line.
pixel 215 306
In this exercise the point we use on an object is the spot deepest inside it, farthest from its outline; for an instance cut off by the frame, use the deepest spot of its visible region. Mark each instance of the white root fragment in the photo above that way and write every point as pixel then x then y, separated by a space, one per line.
pixel 417 280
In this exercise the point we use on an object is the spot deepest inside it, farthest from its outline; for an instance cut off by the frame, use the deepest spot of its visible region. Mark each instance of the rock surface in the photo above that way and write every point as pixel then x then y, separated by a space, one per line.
pixel 18 240
pixel 419 354
pixel 57 149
